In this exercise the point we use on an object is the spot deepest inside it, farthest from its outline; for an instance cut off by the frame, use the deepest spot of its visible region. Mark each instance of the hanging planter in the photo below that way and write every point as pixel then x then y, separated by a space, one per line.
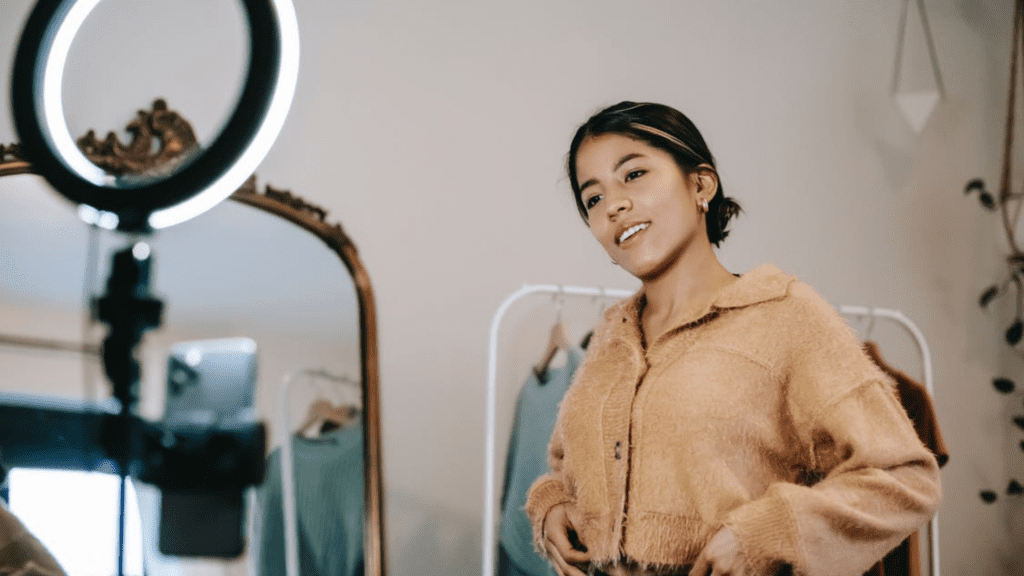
pixel 1007 202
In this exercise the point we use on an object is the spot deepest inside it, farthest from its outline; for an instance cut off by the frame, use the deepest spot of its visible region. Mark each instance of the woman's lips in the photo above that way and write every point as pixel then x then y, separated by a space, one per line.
pixel 631 232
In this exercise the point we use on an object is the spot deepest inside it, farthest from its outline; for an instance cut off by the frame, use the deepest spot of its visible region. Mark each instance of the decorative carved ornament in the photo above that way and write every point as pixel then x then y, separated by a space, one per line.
pixel 284 197
pixel 11 161
pixel 171 136
pixel 160 125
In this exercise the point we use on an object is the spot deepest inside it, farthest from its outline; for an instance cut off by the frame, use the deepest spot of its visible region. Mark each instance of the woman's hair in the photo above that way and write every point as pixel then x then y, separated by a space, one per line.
pixel 667 129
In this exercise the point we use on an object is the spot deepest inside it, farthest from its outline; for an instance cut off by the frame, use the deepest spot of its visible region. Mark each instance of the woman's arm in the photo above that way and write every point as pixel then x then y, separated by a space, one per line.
pixel 880 485
pixel 546 507
pixel 877 483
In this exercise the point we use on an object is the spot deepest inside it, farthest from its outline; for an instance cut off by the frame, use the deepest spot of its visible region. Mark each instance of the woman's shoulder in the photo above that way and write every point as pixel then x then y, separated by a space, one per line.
pixel 770 275
pixel 798 301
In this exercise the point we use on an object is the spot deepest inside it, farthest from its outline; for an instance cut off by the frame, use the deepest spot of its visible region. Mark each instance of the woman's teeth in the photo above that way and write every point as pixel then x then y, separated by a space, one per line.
pixel 633 230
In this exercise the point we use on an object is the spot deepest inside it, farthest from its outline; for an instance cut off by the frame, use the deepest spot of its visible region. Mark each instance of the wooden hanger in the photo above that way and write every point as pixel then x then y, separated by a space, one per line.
pixel 600 315
pixel 557 340
pixel 328 416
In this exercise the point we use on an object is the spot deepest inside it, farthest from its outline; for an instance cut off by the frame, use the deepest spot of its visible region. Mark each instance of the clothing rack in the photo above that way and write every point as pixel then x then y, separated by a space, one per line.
pixel 926 361
pixel 288 498
pixel 490 539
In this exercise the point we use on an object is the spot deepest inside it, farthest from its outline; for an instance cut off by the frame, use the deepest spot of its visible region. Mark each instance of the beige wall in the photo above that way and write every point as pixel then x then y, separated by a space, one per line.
pixel 436 132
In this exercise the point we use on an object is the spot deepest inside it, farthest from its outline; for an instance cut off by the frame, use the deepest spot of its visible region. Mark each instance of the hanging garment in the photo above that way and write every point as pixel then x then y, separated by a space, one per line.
pixel 329 504
pixel 536 412
pixel 905 559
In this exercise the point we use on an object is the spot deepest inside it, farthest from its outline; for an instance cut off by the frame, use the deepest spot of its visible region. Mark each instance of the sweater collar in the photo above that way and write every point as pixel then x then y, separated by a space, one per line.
pixel 762 284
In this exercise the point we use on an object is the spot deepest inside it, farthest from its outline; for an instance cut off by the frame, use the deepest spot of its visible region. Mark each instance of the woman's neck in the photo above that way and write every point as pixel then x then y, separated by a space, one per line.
pixel 682 290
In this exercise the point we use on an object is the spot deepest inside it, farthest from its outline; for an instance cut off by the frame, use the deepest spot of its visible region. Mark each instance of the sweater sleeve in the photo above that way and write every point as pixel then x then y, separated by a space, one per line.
pixel 549 489
pixel 878 483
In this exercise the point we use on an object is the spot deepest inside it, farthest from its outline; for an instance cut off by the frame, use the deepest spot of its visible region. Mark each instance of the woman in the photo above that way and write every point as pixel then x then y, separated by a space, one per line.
pixel 721 424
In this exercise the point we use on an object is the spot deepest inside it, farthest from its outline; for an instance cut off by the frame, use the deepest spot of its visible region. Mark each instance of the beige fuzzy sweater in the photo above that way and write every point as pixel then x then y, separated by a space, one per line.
pixel 762 414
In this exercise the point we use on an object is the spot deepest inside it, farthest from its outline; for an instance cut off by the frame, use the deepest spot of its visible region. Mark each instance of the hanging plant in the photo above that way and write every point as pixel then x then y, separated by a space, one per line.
pixel 1008 204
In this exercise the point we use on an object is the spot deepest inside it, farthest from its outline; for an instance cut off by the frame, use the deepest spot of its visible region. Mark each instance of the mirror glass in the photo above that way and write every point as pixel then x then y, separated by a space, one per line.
pixel 193 53
pixel 234 271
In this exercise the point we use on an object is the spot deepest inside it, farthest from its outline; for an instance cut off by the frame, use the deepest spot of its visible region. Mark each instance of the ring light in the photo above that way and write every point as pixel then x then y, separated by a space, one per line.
pixel 127 202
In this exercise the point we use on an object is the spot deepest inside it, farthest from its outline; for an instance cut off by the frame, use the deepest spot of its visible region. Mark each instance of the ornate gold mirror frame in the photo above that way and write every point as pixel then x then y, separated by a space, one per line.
pixel 171 136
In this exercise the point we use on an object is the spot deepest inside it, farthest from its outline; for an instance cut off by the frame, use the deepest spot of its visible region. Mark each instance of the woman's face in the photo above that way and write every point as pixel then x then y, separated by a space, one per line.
pixel 642 207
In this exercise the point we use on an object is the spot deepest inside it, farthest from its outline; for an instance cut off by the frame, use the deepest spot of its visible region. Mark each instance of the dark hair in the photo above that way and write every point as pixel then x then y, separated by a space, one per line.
pixel 665 128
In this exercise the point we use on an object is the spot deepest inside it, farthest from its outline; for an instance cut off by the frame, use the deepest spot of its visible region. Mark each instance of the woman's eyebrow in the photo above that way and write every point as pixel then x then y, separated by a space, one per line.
pixel 625 159
pixel 618 165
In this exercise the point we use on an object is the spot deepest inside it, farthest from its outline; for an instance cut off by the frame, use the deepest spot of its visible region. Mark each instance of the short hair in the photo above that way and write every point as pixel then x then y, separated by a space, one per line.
pixel 667 129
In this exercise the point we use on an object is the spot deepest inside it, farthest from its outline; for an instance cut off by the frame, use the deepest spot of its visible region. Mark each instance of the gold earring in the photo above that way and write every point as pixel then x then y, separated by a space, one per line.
pixel 704 206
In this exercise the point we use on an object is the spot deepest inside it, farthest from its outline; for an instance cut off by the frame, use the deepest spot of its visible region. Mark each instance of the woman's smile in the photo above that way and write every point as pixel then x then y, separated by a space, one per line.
pixel 631 232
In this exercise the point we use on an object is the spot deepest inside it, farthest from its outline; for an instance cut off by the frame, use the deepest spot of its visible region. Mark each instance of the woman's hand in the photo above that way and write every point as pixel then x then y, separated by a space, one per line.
pixel 721 556
pixel 563 554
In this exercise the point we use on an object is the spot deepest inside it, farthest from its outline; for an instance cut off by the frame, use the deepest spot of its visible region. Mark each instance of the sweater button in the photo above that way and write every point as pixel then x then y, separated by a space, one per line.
pixel 618 450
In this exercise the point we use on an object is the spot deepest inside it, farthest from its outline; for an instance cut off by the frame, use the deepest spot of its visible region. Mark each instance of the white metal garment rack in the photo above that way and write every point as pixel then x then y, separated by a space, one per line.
pixel 926 363
pixel 490 506
pixel 490 540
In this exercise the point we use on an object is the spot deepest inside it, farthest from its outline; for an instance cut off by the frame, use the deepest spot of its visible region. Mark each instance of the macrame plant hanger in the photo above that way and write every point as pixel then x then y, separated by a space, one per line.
pixel 1006 178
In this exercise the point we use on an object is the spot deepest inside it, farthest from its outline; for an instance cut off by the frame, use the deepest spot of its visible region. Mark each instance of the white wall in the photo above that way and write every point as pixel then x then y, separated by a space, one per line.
pixel 436 133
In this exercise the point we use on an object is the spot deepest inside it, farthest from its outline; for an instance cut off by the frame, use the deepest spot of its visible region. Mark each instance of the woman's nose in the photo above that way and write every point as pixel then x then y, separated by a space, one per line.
pixel 618 205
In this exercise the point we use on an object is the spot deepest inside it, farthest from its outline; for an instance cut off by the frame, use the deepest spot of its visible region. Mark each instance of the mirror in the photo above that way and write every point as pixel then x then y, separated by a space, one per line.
pixel 265 265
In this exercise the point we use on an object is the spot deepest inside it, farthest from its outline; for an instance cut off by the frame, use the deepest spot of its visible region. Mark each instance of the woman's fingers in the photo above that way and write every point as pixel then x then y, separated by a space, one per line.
pixel 556 539
pixel 560 538
pixel 721 556
pixel 561 566
pixel 701 567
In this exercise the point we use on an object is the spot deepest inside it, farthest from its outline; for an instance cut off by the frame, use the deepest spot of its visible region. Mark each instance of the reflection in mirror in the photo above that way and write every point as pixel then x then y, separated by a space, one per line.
pixel 240 271
pixel 237 271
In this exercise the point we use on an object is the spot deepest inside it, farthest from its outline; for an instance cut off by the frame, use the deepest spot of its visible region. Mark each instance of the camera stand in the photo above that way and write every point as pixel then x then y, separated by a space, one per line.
pixel 129 309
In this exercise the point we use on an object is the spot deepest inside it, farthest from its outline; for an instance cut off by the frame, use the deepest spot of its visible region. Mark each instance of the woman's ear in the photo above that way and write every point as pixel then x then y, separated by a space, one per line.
pixel 706 178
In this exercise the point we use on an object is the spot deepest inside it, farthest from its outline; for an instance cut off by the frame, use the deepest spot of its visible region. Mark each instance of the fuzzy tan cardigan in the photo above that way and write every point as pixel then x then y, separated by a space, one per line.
pixel 762 414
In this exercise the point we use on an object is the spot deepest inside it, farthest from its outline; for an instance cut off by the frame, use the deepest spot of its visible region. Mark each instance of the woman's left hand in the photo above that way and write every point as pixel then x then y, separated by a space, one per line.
pixel 721 556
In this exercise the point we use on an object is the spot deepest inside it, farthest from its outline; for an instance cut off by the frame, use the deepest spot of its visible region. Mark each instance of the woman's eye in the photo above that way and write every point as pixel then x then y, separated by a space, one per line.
pixel 592 201
pixel 633 174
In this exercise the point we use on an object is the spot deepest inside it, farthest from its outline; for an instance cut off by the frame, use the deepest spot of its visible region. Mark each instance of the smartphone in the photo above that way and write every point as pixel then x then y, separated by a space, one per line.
pixel 210 381
pixel 210 386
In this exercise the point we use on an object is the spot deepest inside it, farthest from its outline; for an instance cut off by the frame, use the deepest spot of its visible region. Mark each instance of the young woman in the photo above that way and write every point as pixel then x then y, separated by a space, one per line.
pixel 720 424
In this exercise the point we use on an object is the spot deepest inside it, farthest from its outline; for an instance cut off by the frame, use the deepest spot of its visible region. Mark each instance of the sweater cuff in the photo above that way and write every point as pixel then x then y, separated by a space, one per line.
pixel 767 533
pixel 545 494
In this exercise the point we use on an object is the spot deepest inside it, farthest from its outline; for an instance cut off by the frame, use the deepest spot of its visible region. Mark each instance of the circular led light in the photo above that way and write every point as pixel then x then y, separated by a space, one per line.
pixel 131 203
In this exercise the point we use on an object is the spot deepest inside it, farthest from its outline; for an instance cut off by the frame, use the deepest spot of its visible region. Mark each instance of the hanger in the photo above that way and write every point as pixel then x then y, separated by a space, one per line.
pixel 600 314
pixel 322 411
pixel 328 416
pixel 871 324
pixel 557 340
